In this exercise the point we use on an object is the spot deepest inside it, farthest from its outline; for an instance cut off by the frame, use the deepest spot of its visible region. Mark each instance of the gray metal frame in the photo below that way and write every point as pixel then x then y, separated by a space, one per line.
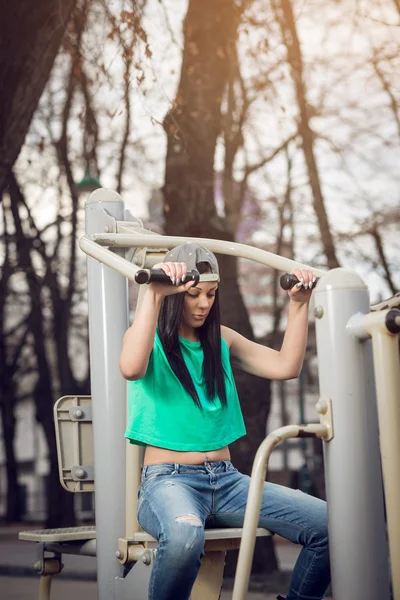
pixel 348 423
pixel 108 321
pixel 357 530
pixel 382 328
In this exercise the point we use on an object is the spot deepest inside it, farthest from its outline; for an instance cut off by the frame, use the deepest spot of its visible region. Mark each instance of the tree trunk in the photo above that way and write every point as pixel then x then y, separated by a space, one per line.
pixel 59 502
pixel 8 367
pixel 13 506
pixel 31 34
pixel 192 127
pixel 194 122
pixel 291 40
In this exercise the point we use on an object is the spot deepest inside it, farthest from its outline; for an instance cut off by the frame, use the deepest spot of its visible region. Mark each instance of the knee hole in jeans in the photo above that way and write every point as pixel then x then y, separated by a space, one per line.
pixel 190 519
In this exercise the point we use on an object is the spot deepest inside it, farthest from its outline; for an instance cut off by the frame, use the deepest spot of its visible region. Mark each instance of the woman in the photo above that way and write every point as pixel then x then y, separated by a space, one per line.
pixel 184 408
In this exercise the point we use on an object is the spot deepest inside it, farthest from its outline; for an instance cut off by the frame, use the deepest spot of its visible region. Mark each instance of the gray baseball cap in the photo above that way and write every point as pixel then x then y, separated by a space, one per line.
pixel 191 254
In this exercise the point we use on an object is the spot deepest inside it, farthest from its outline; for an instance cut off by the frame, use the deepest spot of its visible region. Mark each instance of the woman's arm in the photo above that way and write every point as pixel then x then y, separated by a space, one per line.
pixel 286 363
pixel 139 339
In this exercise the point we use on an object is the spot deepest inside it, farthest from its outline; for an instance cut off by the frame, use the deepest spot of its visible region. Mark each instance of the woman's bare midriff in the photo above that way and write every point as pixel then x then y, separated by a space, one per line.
pixel 155 455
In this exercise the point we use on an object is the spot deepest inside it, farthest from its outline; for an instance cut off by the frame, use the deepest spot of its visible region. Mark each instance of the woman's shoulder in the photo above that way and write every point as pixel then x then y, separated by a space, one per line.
pixel 228 335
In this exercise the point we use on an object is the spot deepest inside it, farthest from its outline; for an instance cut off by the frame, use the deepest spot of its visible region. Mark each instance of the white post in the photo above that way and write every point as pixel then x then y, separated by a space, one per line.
pixel 108 321
pixel 357 533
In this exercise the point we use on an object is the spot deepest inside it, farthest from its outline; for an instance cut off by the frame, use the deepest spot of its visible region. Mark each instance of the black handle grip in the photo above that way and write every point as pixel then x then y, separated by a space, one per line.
pixel 160 276
pixel 288 280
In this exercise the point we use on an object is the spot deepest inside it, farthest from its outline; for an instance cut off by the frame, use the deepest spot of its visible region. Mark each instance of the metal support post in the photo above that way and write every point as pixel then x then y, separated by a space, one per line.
pixel 108 321
pixel 382 327
pixel 357 538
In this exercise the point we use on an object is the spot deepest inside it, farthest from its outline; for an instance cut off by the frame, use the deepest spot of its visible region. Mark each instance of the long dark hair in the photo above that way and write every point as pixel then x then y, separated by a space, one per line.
pixel 169 321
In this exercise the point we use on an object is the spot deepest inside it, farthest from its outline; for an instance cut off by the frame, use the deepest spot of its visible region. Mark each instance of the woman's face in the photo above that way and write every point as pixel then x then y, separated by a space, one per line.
pixel 197 303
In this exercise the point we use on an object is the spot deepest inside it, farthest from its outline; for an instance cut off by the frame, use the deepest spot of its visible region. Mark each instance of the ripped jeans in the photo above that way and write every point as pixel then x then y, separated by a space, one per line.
pixel 177 502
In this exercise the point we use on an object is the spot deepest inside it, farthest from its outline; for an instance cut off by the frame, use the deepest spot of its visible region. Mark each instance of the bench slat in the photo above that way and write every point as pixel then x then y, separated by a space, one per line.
pixel 70 534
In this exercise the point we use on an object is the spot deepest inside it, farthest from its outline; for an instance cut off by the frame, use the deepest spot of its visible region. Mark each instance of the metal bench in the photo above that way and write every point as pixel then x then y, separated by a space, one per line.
pixel 138 551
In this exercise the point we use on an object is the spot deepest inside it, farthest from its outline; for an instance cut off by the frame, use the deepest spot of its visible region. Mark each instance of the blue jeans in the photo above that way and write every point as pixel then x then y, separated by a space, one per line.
pixel 177 502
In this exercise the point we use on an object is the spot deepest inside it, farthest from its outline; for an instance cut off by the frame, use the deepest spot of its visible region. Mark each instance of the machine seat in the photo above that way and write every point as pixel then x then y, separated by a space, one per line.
pixel 72 534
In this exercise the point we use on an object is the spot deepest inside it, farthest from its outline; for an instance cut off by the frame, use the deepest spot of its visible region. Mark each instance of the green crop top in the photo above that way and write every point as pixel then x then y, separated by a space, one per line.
pixel 163 414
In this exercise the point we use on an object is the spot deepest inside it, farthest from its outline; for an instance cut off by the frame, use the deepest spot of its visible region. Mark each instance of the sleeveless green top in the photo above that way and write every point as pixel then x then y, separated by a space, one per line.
pixel 162 413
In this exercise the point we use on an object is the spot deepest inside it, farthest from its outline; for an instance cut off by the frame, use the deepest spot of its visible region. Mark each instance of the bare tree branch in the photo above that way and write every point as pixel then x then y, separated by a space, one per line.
pixel 386 86
pixel 376 235
pixel 249 169
pixel 285 17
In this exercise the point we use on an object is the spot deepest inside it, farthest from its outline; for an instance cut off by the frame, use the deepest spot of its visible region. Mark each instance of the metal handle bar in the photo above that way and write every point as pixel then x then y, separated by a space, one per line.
pixel 288 280
pixel 160 276
pixel 137 239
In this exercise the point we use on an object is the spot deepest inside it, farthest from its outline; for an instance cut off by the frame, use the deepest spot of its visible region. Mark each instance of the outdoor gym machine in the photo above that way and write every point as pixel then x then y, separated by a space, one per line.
pixel 348 423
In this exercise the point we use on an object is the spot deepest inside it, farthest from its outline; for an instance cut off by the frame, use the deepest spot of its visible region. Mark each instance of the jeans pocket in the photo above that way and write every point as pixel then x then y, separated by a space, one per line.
pixel 152 472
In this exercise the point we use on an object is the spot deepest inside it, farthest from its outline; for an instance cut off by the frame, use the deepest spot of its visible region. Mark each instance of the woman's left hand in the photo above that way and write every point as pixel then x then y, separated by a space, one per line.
pixel 301 292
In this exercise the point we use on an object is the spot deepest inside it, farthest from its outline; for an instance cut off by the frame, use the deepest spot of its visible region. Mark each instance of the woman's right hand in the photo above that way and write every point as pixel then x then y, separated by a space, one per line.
pixel 177 273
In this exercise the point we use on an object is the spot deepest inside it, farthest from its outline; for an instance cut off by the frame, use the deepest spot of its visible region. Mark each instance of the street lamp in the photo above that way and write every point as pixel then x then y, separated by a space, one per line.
pixel 89 183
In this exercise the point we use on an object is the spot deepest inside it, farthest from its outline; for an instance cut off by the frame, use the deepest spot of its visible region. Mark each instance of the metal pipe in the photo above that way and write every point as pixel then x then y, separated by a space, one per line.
pixel 254 499
pixel 86 548
pixel 105 256
pixel 133 472
pixel 108 322
pixel 387 376
pixel 50 567
pixel 139 239
pixel 357 539
pixel 45 582
pixel 134 458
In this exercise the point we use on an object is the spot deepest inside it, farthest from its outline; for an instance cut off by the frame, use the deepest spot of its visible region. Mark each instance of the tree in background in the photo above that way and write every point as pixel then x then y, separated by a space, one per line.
pixel 304 72
pixel 236 110
pixel 12 341
pixel 285 17
pixel 46 345
pixel 193 126
pixel 30 40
